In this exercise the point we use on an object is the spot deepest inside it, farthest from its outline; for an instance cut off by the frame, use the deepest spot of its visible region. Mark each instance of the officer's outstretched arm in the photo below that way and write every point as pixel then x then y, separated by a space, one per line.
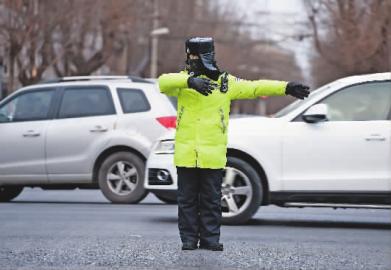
pixel 246 89
pixel 171 83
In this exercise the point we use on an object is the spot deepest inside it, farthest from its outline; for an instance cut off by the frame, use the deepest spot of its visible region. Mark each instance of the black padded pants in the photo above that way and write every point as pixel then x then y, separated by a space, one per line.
pixel 199 204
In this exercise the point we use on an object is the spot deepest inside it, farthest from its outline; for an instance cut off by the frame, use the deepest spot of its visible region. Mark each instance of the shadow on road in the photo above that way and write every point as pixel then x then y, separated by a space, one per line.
pixel 319 224
pixel 300 223
pixel 79 202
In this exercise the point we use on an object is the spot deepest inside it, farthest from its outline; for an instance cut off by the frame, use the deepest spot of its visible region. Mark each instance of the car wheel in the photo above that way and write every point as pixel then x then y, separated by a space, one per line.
pixel 241 191
pixel 166 196
pixel 121 178
pixel 9 192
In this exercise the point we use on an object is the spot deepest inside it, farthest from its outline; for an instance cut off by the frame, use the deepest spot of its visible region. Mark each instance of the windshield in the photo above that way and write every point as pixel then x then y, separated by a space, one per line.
pixel 284 111
pixel 294 105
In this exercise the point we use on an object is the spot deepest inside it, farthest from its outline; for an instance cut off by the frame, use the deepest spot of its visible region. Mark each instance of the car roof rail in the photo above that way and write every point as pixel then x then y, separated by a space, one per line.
pixel 140 80
pixel 92 78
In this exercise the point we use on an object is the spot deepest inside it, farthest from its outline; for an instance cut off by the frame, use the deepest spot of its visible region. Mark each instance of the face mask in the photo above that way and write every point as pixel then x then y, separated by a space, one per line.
pixel 195 66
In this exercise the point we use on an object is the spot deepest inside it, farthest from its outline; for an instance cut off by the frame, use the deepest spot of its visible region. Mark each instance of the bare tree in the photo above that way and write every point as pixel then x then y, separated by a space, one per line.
pixel 94 32
pixel 27 38
pixel 71 38
pixel 350 37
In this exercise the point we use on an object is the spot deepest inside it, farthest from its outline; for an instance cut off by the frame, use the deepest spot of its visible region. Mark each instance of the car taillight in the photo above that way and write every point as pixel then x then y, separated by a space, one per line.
pixel 167 121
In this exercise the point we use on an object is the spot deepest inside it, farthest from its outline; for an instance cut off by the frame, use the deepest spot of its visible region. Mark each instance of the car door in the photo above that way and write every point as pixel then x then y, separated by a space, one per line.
pixel 23 122
pixel 84 120
pixel 349 152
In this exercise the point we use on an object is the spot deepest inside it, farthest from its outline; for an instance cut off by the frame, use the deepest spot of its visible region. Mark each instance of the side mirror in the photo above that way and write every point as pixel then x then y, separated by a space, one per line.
pixel 316 113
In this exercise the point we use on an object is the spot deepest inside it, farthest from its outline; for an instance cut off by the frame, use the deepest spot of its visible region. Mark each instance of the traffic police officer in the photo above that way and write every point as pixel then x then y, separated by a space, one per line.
pixel 204 95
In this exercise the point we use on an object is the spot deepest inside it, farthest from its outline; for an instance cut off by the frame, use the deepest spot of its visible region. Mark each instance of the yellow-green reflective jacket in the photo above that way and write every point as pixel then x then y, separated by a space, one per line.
pixel 202 121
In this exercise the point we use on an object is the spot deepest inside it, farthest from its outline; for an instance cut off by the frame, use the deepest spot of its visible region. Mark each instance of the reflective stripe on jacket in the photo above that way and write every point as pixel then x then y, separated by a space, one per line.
pixel 202 121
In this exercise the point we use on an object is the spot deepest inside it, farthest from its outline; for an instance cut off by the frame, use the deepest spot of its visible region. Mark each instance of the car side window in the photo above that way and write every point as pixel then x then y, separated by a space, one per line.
pixel 361 102
pixel 85 102
pixel 28 106
pixel 133 100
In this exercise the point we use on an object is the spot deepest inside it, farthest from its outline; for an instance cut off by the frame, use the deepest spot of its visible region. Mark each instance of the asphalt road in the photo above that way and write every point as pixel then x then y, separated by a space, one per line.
pixel 81 230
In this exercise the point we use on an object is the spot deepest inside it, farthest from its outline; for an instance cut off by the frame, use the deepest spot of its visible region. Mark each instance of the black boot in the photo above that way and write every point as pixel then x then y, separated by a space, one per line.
pixel 189 246
pixel 213 247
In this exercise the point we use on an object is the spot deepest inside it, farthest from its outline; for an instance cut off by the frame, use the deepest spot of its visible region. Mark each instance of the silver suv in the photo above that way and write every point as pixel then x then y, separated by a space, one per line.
pixel 82 132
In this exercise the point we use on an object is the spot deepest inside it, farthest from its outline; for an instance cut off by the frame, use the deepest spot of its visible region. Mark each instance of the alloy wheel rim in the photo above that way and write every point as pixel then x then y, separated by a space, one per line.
pixel 236 192
pixel 122 178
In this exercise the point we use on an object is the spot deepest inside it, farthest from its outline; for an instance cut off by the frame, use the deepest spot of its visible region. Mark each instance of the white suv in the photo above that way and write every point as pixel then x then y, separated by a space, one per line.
pixel 332 148
pixel 85 132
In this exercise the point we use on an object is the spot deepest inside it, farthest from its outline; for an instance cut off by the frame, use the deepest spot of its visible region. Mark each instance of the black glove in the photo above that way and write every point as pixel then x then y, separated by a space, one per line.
pixel 297 90
pixel 201 85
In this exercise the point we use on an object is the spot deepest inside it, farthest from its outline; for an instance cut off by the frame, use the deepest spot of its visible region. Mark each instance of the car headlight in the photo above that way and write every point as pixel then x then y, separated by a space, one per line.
pixel 165 147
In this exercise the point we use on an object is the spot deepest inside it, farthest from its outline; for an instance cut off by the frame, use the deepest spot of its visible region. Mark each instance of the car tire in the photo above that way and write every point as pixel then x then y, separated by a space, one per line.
pixel 248 181
pixel 121 178
pixel 8 193
pixel 168 197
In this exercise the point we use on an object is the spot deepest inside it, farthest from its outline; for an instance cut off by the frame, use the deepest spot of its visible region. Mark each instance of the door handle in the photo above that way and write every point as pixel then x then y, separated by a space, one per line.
pixel 375 137
pixel 98 129
pixel 31 133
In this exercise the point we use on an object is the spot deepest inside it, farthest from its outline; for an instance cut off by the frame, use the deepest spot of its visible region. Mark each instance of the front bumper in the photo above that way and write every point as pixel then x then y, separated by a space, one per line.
pixel 160 172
